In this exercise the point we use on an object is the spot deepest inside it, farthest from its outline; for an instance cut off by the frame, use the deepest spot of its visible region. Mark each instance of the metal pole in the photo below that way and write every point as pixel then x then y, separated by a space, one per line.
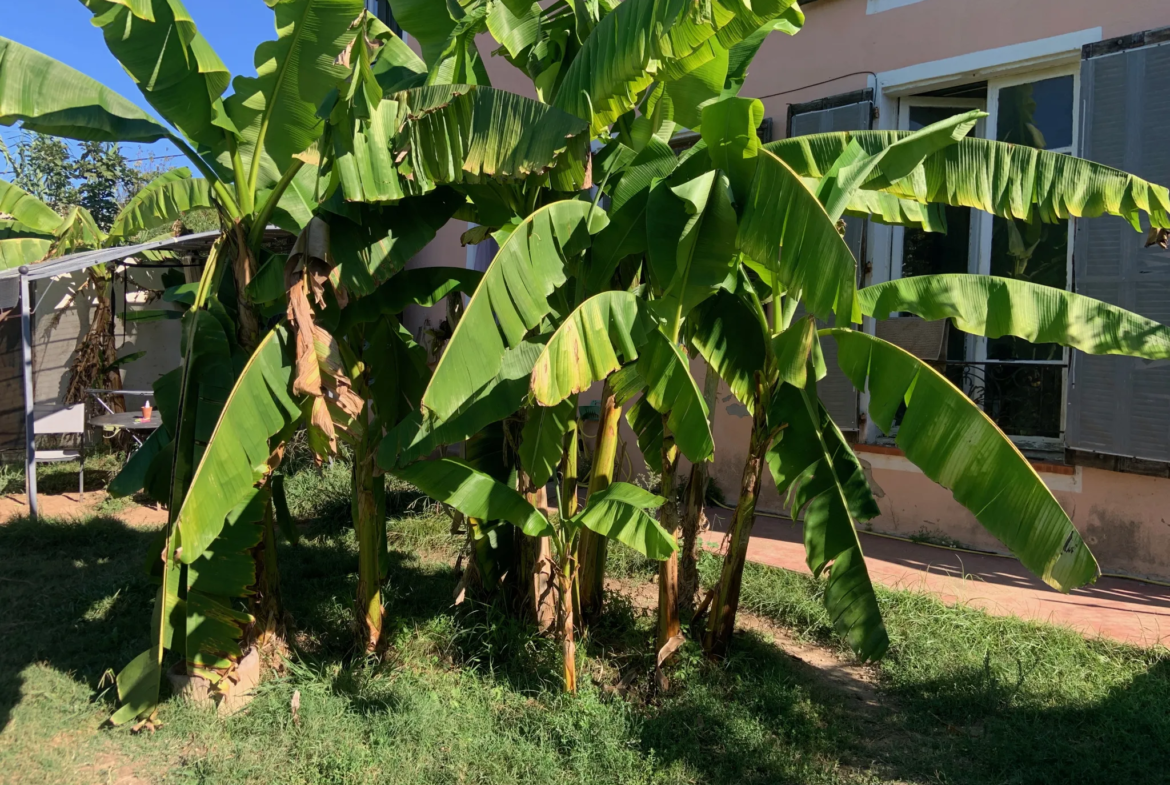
pixel 30 450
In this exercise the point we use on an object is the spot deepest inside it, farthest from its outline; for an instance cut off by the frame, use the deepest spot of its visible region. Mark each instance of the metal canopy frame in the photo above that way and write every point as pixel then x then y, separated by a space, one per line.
pixel 72 264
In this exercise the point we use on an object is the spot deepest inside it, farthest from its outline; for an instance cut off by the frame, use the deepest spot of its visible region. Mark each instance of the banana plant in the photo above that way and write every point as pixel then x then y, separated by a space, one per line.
pixel 789 196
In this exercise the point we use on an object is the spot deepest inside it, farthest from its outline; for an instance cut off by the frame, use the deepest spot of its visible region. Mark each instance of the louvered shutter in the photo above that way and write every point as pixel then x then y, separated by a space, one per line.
pixel 836 390
pixel 1119 406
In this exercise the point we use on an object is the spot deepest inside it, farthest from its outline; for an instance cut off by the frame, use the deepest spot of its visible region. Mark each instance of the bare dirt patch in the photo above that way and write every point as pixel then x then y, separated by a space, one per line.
pixel 70 505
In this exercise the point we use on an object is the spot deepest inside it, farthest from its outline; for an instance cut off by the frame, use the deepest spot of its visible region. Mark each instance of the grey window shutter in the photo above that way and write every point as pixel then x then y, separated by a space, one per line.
pixel 853 112
pixel 1118 405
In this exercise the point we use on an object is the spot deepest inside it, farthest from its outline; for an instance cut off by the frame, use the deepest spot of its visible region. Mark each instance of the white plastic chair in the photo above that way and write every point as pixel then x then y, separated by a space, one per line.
pixel 70 419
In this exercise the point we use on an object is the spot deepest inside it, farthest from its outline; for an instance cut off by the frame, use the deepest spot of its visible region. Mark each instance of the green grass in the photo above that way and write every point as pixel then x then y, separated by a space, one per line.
pixel 467 695
pixel 54 478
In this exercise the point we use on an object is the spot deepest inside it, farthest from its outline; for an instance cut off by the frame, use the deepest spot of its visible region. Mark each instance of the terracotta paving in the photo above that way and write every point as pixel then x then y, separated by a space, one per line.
pixel 1123 610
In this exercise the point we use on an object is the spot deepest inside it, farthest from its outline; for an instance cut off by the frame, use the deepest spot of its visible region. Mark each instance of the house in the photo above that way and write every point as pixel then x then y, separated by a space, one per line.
pixel 1071 76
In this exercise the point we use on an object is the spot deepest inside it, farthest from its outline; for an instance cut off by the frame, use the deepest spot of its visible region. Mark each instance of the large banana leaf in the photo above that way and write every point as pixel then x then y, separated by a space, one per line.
pixel 733 341
pixel 459 61
pixel 27 210
pixel 985 305
pixel 1011 181
pixel 515 24
pixel 427 21
pixel 161 201
pixel 855 167
pixel 811 462
pixel 691 232
pixel 475 494
pixel 423 286
pixel 608 331
pixel 417 437
pixel 958 446
pixel 174 66
pixel 732 141
pixel 598 337
pixel 276 111
pixel 511 300
pixel 456 132
pixel 815 264
pixel 237 453
pixel 542 440
pixel 18 251
pixel 629 197
pixel 619 513
pixel 51 98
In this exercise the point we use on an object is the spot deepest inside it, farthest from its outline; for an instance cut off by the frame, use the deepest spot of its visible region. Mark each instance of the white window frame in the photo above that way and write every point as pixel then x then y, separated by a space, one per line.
pixel 982 224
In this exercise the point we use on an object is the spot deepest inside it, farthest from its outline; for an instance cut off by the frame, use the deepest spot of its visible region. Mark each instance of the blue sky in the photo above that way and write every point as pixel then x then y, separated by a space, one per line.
pixel 61 29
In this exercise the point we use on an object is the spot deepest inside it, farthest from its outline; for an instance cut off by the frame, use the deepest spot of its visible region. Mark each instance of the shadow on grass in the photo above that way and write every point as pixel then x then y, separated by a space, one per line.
pixel 75 596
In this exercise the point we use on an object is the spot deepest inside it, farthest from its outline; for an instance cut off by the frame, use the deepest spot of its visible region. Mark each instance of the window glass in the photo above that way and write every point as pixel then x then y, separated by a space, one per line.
pixel 1037 114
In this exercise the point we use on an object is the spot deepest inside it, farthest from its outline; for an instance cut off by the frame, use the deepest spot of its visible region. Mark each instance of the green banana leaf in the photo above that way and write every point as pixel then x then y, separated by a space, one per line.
pixel 456 133
pixel 648 428
pixel 813 465
pixel 160 202
pixel 797 351
pixel 816 264
pixel 619 513
pixel 276 110
pixel 30 213
pixel 417 437
pixel 422 286
pixel 237 452
pixel 542 439
pixel 629 197
pixel 427 21
pixel 1007 180
pixel 955 444
pixel 396 369
pixel 995 307
pixel 732 142
pixel 596 339
pixel 19 251
pixel 511 300
pixel 49 97
pixel 132 478
pixel 603 334
pixel 515 24
pixel 459 61
pixel 691 231
pixel 174 66
pixel 732 340
pixel 855 167
pixel 475 494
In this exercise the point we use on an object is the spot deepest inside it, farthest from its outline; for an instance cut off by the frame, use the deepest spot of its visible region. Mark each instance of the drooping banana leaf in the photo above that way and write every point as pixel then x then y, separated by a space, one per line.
pixel 417 437
pixel 511 300
pixel 611 330
pixel 691 231
pixel 237 454
pixel 732 340
pixel 161 201
pixel 515 24
pixel 174 66
pixel 1007 180
pixel 475 494
pixel 456 133
pixel 995 307
pixel 18 251
pixel 459 61
pixel 29 212
pixel 422 286
pixel 132 478
pixel 797 351
pixel 542 439
pixel 49 97
pixel 855 167
pixel 619 513
pixel 813 465
pixel 396 369
pixel 427 21
pixel 954 443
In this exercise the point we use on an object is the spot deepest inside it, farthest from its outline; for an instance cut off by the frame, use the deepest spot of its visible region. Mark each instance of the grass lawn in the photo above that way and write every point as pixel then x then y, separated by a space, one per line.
pixel 465 695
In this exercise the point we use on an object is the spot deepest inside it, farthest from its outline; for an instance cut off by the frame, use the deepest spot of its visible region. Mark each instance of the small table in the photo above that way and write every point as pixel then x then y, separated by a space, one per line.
pixel 129 420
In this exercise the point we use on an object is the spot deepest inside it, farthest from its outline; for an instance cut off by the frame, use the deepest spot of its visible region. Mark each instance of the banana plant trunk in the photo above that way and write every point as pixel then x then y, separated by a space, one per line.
pixel 592 551
pixel 369 520
pixel 567 569
pixel 692 518
pixel 721 624
pixel 668 621
pixel 537 567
